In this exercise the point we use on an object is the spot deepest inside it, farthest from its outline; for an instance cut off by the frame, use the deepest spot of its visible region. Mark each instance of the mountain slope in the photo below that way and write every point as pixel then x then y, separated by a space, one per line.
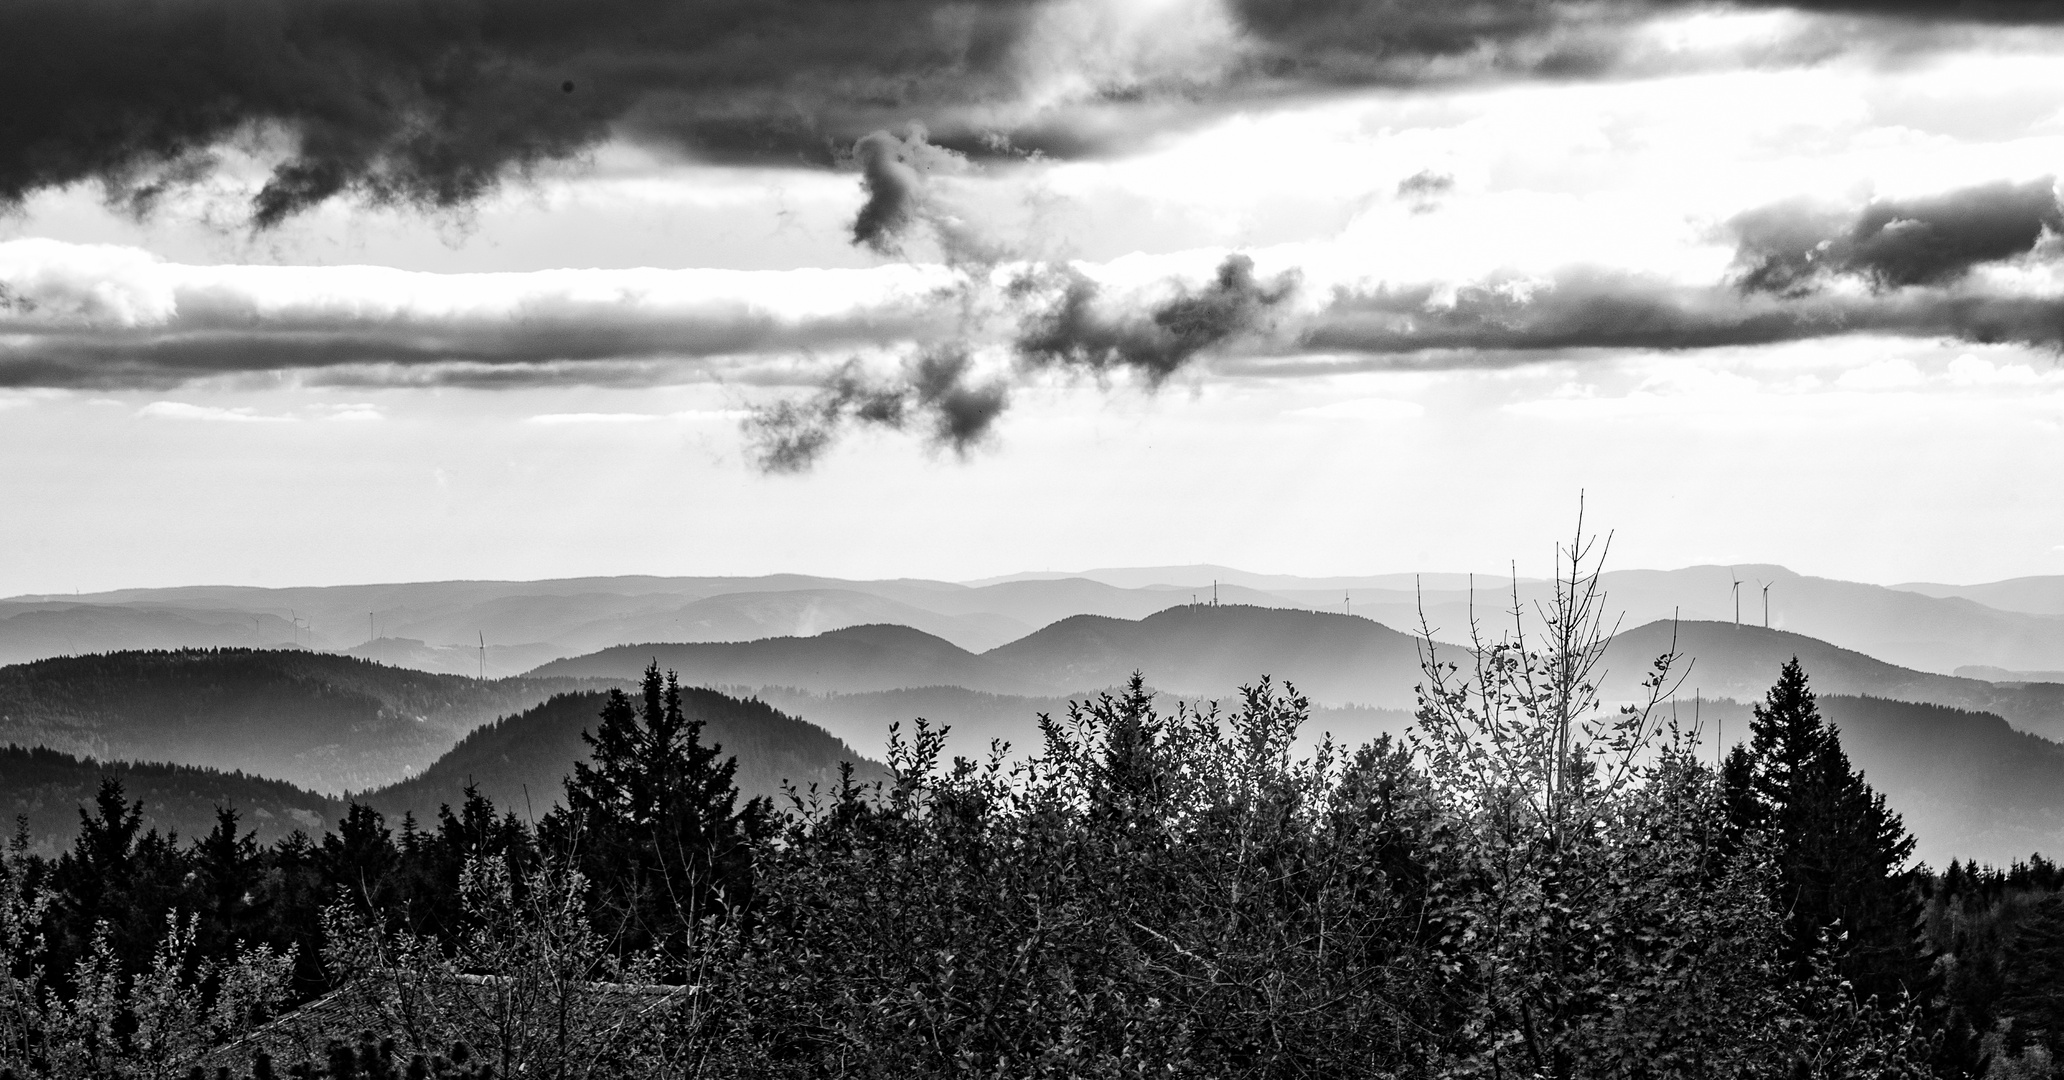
pixel 1742 662
pixel 519 761
pixel 1968 785
pixel 48 788
pixel 324 722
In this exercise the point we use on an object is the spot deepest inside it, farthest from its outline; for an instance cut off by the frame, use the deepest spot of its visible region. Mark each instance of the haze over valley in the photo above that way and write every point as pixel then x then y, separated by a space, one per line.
pixel 1938 691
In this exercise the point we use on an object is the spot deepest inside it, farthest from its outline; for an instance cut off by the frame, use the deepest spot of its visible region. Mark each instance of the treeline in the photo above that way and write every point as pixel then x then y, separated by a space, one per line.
pixel 1530 886
pixel 43 789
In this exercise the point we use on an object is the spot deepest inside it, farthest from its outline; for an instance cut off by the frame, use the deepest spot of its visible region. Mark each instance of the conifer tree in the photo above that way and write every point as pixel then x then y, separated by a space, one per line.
pixel 2034 970
pixel 653 820
pixel 1841 852
pixel 227 868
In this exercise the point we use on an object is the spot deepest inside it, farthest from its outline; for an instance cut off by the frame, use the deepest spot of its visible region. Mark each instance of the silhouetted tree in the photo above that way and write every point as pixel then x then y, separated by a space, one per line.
pixel 653 821
pixel 1841 853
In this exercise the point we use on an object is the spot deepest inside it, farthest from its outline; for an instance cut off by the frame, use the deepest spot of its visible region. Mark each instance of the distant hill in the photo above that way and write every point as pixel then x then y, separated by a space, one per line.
pixel 519 761
pixel 1908 628
pixel 2016 625
pixel 1200 651
pixel 1742 662
pixel 40 629
pixel 1993 674
pixel 854 659
pixel 1210 650
pixel 2036 595
pixel 328 723
pixel 48 788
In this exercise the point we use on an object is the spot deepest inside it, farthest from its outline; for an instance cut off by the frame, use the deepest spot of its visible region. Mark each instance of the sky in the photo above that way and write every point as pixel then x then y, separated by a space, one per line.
pixel 325 291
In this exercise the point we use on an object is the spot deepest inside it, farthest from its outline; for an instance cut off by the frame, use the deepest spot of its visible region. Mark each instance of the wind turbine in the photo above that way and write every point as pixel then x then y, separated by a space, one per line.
pixel 1766 602
pixel 1737 600
pixel 483 652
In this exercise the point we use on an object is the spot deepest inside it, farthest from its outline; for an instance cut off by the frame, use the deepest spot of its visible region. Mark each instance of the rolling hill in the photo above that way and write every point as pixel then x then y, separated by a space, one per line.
pixel 1199 651
pixel 328 723
pixel 519 761
pixel 1210 650
pixel 853 659
pixel 438 626
pixel 1741 662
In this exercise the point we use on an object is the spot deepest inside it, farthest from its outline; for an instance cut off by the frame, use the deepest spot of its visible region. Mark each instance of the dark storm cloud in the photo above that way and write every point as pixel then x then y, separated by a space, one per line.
pixel 1491 325
pixel 936 391
pixel 1893 243
pixel 1070 327
pixel 432 104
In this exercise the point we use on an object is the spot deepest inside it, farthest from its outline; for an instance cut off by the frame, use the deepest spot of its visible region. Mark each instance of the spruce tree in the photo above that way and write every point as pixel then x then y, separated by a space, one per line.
pixel 2034 976
pixel 227 868
pixel 653 821
pixel 1841 852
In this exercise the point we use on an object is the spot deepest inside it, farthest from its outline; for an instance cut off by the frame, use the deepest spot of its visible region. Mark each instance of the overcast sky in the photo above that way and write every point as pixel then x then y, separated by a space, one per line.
pixel 304 291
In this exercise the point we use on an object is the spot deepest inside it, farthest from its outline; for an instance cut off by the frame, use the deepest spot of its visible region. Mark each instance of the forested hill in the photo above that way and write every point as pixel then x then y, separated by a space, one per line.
pixel 518 761
pixel 48 788
pixel 325 722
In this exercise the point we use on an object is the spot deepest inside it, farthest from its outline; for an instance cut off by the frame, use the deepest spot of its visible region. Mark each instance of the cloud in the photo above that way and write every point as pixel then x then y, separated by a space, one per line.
pixel 1064 322
pixel 96 316
pixel 1795 247
pixel 1069 327
pixel 1503 322
pixel 433 105
pixel 936 391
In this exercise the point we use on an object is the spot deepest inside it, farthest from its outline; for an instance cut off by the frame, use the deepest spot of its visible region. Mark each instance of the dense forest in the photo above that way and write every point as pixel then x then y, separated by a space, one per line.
pixel 43 789
pixel 1528 885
